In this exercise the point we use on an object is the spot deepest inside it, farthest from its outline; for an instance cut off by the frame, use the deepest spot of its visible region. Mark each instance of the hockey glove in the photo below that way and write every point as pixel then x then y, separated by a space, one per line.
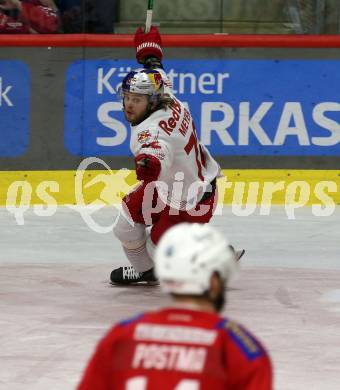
pixel 148 167
pixel 148 44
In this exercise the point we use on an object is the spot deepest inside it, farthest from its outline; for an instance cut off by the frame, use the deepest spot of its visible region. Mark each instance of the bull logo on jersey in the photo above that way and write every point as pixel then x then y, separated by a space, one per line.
pixel 144 136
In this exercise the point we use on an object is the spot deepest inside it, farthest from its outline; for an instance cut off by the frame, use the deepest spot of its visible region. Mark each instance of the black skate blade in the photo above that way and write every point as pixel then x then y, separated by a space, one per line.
pixel 135 284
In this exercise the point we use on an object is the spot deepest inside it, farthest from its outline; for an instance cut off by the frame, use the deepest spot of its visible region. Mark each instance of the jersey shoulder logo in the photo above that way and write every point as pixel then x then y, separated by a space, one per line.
pixel 144 136
pixel 246 342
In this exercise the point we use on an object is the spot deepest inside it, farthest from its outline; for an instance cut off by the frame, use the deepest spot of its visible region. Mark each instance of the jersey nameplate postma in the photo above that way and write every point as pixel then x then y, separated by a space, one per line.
pixel 169 357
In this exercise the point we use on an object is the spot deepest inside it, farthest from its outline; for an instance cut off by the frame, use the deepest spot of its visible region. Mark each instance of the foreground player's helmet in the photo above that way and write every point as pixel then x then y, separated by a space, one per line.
pixel 145 82
pixel 187 256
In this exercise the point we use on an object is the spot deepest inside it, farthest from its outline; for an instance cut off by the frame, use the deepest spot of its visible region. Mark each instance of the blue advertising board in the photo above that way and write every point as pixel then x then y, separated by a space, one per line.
pixel 15 84
pixel 240 107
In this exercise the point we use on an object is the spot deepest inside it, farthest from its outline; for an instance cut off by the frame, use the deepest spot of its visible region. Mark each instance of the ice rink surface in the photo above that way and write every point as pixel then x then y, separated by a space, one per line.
pixel 56 302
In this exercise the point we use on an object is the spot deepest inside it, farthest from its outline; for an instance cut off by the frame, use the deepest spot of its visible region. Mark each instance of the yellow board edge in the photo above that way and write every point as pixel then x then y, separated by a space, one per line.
pixel 236 186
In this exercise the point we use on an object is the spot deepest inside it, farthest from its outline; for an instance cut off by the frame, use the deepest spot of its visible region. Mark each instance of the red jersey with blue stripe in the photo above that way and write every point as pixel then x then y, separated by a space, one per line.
pixel 178 349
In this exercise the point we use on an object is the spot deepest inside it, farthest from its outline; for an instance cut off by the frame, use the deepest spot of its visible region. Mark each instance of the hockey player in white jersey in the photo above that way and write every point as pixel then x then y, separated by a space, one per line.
pixel 177 173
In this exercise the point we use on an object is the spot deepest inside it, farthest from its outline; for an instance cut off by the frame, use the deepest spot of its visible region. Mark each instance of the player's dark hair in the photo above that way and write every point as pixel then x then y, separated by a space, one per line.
pixel 164 101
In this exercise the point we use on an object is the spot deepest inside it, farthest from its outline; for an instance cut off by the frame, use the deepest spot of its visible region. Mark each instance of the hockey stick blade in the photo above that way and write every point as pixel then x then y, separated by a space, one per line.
pixel 239 254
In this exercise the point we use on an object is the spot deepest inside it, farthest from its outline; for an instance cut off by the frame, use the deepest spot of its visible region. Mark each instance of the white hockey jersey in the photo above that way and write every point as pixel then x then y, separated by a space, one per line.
pixel 187 167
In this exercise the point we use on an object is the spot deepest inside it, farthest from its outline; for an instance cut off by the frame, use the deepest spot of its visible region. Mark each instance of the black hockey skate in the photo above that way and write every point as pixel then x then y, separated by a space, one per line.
pixel 129 276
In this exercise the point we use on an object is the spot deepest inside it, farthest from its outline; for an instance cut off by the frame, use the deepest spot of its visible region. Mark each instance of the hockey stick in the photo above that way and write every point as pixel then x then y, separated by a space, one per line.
pixel 148 20
pixel 239 254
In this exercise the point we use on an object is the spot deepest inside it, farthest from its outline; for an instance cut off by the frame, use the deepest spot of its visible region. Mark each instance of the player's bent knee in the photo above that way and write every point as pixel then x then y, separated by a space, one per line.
pixel 130 234
pixel 133 244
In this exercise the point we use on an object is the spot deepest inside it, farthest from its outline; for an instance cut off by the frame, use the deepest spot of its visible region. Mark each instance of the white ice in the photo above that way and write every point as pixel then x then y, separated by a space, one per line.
pixel 56 302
